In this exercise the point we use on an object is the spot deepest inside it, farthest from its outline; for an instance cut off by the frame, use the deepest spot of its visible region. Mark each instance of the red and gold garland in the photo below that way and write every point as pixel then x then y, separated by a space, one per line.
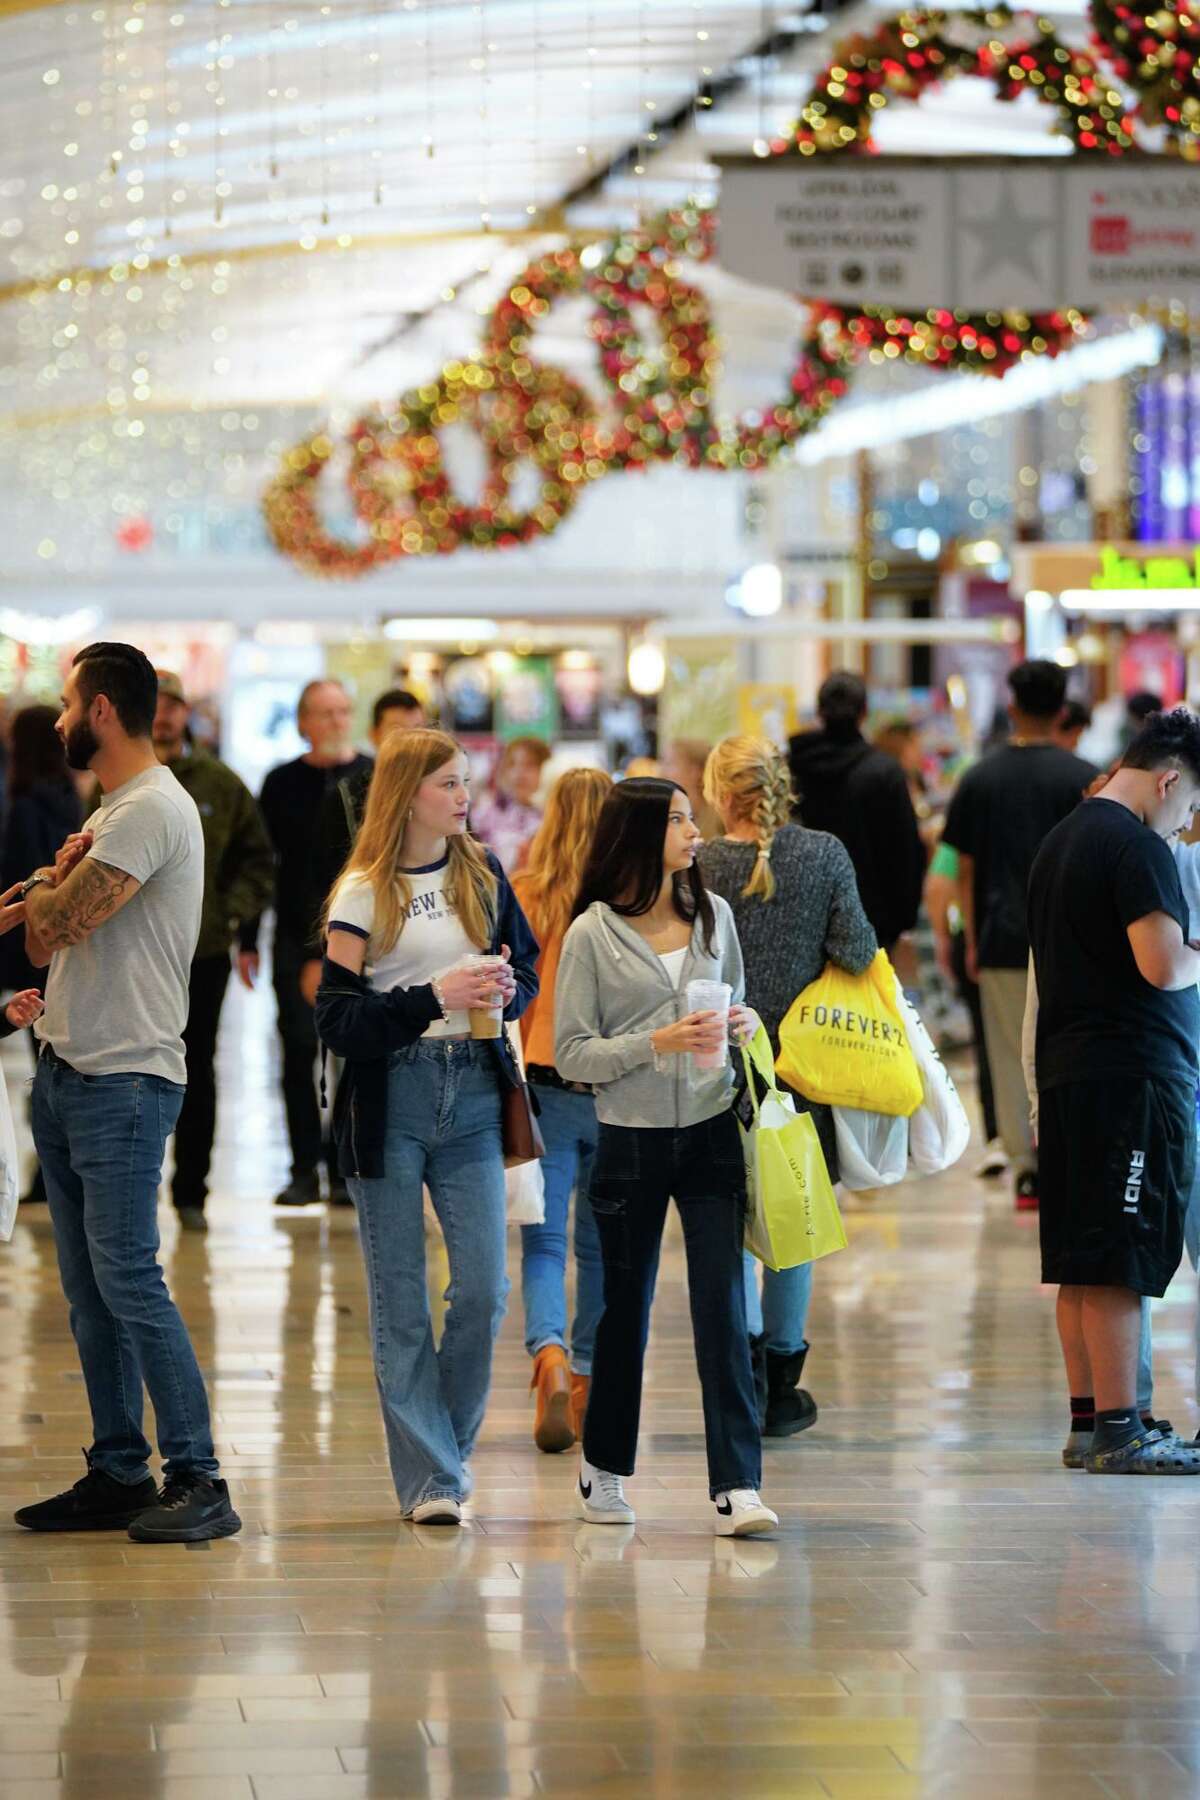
pixel 1155 50
pixel 661 404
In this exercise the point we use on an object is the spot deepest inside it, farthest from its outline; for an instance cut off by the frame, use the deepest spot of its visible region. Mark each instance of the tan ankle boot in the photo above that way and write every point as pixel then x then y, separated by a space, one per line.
pixel 551 1383
pixel 580 1387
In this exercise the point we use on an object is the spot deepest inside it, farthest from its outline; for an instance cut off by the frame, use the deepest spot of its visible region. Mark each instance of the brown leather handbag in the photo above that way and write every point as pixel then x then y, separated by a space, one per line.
pixel 519 1130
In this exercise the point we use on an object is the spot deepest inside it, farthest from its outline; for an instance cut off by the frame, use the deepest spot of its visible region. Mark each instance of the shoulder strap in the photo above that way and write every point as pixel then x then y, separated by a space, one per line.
pixel 348 806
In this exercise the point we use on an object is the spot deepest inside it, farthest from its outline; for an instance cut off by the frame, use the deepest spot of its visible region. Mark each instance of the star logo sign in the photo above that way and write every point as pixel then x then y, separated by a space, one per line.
pixel 1006 238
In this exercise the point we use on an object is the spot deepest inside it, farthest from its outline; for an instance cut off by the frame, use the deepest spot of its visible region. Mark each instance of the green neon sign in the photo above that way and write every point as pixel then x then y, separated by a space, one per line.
pixel 1152 572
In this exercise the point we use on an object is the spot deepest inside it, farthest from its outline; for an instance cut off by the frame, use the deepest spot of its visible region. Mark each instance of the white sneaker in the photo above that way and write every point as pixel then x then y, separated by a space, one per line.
pixel 993 1162
pixel 601 1497
pixel 442 1510
pixel 741 1513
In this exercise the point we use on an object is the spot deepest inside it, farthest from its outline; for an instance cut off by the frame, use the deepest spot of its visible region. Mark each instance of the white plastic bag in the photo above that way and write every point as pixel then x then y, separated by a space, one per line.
pixel 872 1148
pixel 939 1131
pixel 526 1190
pixel 10 1168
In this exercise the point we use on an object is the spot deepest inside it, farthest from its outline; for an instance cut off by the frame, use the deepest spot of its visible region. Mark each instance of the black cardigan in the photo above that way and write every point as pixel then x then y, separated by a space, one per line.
pixel 365 1028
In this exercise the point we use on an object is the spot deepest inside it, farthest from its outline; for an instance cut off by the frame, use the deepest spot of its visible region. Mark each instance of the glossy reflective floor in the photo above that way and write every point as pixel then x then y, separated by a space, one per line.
pixel 944 1612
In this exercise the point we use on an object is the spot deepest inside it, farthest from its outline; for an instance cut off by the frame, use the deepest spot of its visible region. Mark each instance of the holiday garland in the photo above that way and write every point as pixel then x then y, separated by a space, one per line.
pixel 917 51
pixel 1156 52
pixel 660 402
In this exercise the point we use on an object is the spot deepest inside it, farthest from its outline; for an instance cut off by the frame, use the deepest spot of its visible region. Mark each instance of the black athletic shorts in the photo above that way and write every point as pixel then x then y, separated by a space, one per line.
pixel 1115 1166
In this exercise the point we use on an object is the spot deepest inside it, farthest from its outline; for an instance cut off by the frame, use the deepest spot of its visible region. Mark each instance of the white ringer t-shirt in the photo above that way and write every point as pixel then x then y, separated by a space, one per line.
pixel 430 942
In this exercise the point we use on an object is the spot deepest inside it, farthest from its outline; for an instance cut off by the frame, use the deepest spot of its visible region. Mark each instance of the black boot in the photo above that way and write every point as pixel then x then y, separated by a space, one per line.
pixel 789 1408
pixel 758 1368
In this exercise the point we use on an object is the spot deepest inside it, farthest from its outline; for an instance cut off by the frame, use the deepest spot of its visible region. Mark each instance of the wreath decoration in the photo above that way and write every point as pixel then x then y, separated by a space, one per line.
pixel 661 401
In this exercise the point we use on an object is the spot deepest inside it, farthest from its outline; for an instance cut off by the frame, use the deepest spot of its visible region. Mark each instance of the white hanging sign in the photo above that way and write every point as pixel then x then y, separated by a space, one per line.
pixel 980 233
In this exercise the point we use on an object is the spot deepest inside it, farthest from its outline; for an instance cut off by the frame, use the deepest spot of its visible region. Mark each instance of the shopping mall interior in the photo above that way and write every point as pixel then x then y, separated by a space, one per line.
pixel 597 379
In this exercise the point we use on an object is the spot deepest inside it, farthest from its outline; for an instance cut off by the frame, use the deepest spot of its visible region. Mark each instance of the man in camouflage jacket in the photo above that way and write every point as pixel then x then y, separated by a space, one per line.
pixel 239 881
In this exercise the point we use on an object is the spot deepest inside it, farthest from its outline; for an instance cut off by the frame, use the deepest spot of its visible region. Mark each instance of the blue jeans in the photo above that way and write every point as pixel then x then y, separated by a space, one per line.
pixel 638 1172
pixel 569 1128
pixel 100 1140
pixel 782 1312
pixel 443 1129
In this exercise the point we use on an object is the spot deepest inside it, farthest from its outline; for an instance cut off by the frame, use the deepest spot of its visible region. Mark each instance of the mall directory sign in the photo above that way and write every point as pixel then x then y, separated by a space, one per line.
pixel 974 234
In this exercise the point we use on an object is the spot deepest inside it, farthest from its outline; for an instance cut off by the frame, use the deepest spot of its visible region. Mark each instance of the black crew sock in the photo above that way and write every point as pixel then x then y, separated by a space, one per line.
pixel 1116 1426
pixel 1083 1412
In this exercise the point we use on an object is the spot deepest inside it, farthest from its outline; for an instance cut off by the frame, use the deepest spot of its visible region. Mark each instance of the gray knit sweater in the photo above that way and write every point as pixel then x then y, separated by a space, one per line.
pixel 815 918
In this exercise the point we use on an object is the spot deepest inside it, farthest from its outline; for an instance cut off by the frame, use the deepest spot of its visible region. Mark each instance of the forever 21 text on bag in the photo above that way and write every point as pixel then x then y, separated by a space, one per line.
pixel 844 1042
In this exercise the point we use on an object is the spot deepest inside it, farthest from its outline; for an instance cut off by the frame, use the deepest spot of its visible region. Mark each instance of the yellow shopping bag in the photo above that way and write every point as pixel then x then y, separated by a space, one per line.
pixel 844 1042
pixel 791 1214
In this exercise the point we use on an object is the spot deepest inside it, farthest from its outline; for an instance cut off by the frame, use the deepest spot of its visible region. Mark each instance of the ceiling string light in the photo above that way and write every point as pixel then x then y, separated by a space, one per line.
pixel 375 62
pixel 482 64
pixel 427 48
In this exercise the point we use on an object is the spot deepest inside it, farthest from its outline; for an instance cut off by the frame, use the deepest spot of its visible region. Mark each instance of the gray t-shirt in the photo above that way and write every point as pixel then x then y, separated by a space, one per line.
pixel 117 1003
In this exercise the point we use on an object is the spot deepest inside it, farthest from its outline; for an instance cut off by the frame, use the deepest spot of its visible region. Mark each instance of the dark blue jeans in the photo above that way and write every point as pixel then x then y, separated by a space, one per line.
pixel 100 1140
pixel 636 1174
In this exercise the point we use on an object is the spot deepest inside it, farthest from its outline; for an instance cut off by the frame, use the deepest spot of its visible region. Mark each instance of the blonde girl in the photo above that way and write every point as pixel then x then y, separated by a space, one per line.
pixel 796 906
pixel 546 888
pixel 419 1102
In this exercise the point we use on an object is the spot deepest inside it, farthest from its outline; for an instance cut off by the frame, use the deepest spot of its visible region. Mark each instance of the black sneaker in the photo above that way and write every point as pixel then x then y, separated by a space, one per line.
pixel 339 1193
pixel 301 1190
pixel 190 1509
pixel 96 1503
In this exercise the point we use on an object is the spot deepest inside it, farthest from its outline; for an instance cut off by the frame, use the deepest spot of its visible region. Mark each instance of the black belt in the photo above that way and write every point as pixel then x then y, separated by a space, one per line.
pixel 542 1075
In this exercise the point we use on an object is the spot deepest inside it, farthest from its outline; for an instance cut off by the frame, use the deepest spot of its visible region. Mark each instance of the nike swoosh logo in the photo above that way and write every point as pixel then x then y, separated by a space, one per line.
pixel 585 1488
pixel 726 1511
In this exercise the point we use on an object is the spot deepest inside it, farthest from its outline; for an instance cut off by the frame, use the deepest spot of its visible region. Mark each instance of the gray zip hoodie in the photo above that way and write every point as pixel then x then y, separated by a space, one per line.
pixel 611 992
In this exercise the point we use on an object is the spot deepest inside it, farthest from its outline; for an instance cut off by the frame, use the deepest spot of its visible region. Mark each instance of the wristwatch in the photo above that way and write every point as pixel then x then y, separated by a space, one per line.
pixel 37 880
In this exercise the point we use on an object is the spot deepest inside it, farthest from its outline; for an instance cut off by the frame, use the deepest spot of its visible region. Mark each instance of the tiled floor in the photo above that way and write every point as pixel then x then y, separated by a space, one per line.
pixel 945 1611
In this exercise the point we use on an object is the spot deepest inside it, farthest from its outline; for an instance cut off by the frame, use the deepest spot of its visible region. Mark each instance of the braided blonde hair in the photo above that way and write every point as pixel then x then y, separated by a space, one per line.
pixel 750 777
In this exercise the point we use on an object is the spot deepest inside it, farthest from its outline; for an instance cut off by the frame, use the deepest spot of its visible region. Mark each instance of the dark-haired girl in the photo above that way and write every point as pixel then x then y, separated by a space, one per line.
pixel 646 926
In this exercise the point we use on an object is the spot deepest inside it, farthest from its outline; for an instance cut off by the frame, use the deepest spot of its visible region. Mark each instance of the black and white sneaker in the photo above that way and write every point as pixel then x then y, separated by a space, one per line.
pixel 741 1513
pixel 97 1502
pixel 439 1509
pixel 601 1497
pixel 191 1508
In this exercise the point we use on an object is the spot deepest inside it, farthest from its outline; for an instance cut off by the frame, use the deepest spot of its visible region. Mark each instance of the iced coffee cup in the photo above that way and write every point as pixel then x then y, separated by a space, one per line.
pixel 486 1021
pixel 714 997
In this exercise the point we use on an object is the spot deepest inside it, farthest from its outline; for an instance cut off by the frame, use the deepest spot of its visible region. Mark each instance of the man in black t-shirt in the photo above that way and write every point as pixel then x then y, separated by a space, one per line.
pixel 1118 1022
pixel 291 801
pixel 1001 811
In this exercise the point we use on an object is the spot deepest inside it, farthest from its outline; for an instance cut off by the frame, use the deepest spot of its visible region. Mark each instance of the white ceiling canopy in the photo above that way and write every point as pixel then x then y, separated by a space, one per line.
pixel 217 216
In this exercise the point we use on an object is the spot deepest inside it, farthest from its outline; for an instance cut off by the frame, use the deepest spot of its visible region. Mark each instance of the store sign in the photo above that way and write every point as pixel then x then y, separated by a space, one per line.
pixel 974 234
pixel 1151 572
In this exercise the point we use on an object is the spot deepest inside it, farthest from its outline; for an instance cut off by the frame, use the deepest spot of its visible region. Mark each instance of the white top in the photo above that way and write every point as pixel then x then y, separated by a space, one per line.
pixel 673 961
pixel 117 1003
pixel 431 939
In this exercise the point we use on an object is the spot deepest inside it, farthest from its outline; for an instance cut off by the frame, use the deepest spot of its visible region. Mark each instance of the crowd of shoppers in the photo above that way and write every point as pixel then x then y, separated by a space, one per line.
pixel 414 926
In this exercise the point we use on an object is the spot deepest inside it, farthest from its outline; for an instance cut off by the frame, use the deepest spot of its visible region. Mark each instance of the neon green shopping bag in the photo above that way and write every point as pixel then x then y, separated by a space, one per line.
pixel 792 1216
pixel 844 1042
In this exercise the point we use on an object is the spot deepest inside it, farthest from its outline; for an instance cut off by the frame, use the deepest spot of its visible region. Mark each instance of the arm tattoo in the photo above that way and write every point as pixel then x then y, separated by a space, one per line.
pixel 91 894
